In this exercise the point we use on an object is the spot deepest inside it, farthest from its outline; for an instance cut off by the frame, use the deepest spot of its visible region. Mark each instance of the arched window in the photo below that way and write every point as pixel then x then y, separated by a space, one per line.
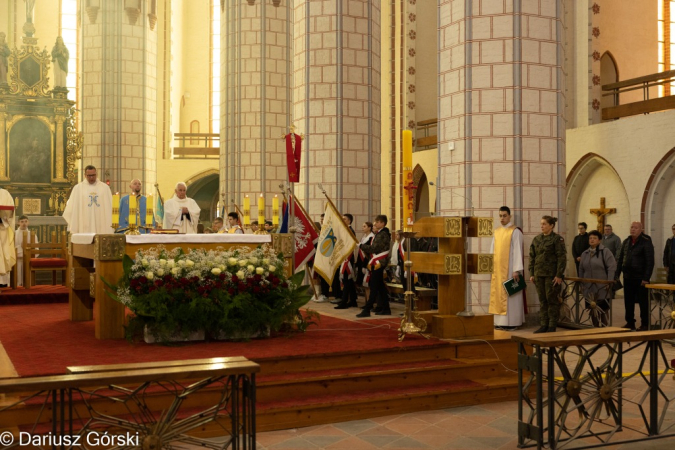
pixel 609 73
pixel 68 30
pixel 215 67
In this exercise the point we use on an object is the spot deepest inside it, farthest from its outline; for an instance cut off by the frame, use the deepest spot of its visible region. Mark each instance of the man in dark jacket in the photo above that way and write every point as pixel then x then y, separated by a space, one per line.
pixel 636 261
pixel 378 259
pixel 669 257
pixel 580 243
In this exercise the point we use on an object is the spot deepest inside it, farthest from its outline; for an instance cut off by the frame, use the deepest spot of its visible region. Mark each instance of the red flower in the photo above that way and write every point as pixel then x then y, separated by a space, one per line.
pixel 142 280
pixel 231 291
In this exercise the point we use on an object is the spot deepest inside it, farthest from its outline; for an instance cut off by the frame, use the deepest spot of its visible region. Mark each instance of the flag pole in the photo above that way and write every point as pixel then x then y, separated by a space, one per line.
pixel 304 211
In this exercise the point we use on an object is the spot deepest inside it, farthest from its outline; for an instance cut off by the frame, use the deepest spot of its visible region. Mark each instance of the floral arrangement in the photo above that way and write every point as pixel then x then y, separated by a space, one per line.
pixel 234 293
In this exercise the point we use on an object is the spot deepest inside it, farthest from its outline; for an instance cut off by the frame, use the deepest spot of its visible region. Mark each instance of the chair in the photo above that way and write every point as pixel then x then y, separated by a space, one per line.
pixel 53 257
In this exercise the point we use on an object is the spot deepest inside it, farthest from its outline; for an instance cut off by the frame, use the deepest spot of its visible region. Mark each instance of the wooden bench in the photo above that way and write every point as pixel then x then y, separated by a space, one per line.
pixel 581 386
pixel 91 398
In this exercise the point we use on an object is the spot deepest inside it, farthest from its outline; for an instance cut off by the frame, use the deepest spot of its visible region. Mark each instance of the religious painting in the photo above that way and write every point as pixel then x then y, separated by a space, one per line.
pixel 31 206
pixel 30 155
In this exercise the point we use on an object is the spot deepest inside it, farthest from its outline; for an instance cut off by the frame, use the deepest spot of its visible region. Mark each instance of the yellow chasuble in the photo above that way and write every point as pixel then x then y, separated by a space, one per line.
pixel 498 295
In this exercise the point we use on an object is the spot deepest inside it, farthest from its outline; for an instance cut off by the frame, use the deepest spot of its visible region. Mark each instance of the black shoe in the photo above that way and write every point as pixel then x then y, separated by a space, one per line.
pixel 384 312
pixel 631 327
pixel 341 306
pixel 352 305
pixel 542 329
pixel 643 328
pixel 551 330
pixel 364 313
pixel 376 310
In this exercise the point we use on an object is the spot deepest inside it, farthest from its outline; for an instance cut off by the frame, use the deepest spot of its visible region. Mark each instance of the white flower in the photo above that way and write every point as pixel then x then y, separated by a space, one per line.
pixel 171 263
pixel 221 267
pixel 149 275
pixel 144 262
pixel 232 262
pixel 160 272
pixel 266 261
pixel 272 268
pixel 189 263
pixel 259 270
pixel 175 271
pixel 162 262
pixel 250 268
pixel 215 271
pixel 243 262
pixel 181 263
pixel 241 275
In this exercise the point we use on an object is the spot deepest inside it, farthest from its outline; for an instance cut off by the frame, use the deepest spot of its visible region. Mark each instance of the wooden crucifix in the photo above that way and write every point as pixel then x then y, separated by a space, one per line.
pixel 601 213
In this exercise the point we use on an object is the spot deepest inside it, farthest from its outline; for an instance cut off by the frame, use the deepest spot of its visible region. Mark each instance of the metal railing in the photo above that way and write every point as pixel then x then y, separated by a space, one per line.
pixel 196 146
pixel 645 106
pixel 424 139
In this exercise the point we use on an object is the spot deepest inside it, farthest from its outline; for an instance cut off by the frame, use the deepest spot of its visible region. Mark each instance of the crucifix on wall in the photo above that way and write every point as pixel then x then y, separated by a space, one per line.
pixel 601 213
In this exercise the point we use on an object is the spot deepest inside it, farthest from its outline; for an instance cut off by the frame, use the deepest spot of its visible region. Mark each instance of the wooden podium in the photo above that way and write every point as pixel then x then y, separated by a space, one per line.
pixel 452 264
pixel 91 257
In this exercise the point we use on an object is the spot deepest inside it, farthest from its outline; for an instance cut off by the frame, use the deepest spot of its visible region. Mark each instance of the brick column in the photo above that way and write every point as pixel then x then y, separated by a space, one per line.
pixel 119 120
pixel 337 104
pixel 255 98
pixel 501 124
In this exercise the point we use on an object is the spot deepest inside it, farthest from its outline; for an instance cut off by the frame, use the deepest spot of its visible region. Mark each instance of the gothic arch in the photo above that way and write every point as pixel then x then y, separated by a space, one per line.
pixel 422 206
pixel 659 194
pixel 591 178
pixel 204 188
pixel 609 73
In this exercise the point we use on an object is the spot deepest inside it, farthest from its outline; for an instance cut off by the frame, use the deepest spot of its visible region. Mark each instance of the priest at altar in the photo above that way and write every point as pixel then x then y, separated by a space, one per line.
pixel 141 208
pixel 8 253
pixel 89 208
pixel 507 247
pixel 181 212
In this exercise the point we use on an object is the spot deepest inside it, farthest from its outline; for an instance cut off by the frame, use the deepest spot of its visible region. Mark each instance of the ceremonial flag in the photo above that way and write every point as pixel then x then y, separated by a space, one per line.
pixel 159 207
pixel 306 234
pixel 336 244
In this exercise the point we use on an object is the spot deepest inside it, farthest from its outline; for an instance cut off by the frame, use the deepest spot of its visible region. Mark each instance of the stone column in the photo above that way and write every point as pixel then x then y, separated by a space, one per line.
pixel 255 98
pixel 501 123
pixel 337 104
pixel 120 95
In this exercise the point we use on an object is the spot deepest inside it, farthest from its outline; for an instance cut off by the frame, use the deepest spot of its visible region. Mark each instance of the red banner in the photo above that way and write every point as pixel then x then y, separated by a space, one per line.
pixel 293 150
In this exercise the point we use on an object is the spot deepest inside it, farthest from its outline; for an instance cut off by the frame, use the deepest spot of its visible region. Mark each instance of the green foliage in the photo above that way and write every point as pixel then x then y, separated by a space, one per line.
pixel 228 294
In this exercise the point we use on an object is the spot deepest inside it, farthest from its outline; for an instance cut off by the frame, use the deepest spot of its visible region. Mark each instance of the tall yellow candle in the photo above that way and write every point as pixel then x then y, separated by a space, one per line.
pixel 132 209
pixel 261 210
pixel 247 210
pixel 116 210
pixel 407 180
pixel 275 210
pixel 148 211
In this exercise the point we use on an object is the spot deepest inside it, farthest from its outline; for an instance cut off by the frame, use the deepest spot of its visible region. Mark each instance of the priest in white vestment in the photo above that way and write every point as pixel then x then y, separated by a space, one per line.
pixel 8 258
pixel 89 208
pixel 181 212
pixel 507 248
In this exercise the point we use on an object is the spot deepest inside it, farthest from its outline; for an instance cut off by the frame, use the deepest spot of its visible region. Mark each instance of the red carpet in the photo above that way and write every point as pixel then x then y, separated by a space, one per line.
pixel 41 340
pixel 37 294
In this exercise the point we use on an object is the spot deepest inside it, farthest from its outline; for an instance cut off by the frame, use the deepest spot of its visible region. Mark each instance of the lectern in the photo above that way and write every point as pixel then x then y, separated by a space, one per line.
pixel 452 264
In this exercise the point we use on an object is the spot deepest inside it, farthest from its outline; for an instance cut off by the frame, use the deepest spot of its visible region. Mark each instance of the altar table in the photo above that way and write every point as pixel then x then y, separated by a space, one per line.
pixel 92 256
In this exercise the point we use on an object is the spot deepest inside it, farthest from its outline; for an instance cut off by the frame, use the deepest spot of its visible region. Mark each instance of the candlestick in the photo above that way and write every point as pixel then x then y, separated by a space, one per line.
pixel 261 210
pixel 116 210
pixel 247 211
pixel 407 180
pixel 148 211
pixel 275 210
pixel 132 209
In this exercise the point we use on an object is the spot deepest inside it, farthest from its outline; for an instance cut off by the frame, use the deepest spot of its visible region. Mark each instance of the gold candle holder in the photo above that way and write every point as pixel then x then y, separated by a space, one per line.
pixel 411 321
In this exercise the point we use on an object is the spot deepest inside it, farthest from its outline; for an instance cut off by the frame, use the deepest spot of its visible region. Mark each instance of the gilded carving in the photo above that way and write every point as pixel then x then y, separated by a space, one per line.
pixel 29 70
pixel 73 147
pixel 453 264
pixel 92 284
pixel 109 247
pixel 287 245
pixel 485 227
pixel 453 227
pixel 485 264
pixel 72 270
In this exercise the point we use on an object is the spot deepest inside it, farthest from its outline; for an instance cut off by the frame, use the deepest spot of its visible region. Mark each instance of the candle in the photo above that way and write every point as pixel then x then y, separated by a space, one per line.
pixel 247 210
pixel 148 211
pixel 116 209
pixel 132 210
pixel 275 210
pixel 407 180
pixel 261 210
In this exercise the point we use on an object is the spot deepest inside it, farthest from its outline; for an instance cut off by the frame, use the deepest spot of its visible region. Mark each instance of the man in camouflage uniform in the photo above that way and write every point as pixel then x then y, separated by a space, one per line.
pixel 547 265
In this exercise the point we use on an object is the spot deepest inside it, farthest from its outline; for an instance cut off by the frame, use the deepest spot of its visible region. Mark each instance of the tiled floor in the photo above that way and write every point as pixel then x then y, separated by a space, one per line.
pixel 488 426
